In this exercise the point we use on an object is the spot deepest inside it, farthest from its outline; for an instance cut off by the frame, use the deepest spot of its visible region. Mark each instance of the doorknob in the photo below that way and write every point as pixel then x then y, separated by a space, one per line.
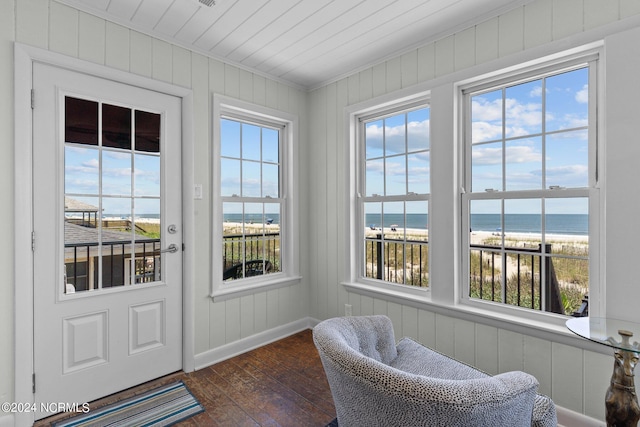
pixel 171 249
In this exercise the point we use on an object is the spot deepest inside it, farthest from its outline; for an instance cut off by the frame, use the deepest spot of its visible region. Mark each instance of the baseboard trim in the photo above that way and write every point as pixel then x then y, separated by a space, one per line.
pixel 569 418
pixel 227 351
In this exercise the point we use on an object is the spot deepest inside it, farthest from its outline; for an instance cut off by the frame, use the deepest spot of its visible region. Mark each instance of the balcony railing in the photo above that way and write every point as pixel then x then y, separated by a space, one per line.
pixel 406 262
pixel 81 263
pixel 242 248
pixel 402 261
pixel 523 269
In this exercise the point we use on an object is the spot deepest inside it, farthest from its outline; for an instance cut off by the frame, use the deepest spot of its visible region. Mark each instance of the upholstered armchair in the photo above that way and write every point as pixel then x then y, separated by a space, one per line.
pixel 375 382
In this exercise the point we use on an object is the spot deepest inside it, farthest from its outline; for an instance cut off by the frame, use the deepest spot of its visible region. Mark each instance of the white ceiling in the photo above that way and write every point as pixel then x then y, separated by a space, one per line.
pixel 304 42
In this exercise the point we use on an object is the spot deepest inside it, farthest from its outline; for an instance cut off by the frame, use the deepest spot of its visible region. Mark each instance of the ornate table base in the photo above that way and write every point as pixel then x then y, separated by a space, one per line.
pixel 621 401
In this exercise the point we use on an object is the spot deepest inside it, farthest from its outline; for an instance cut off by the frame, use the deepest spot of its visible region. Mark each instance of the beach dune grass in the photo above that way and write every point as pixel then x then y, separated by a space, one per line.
pixel 570 264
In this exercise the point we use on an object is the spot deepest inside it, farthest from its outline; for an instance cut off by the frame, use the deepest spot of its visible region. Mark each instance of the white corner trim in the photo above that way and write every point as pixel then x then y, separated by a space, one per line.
pixel 252 342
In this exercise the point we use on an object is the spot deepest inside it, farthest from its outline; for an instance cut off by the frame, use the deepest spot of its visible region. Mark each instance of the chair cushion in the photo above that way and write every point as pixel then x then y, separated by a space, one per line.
pixel 412 356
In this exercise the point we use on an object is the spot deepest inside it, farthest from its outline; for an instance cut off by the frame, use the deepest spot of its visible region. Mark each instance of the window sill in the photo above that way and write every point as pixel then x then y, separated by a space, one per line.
pixel 547 327
pixel 225 292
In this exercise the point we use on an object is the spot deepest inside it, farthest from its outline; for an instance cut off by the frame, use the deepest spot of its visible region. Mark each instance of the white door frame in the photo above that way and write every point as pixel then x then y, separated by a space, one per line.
pixel 24 57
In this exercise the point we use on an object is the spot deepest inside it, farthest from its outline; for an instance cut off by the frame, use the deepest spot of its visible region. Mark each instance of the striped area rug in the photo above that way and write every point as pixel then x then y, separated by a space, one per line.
pixel 162 406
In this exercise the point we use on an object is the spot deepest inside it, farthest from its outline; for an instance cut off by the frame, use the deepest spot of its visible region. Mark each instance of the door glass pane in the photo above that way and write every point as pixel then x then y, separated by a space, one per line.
pixel 147 132
pixel 82 173
pixel 81 121
pixel 116 173
pixel 112 199
pixel 146 175
pixel 116 126
pixel 147 226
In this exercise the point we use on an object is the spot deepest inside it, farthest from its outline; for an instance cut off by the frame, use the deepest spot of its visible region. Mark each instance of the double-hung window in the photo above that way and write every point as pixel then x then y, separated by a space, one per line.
pixel 530 205
pixel 254 184
pixel 393 195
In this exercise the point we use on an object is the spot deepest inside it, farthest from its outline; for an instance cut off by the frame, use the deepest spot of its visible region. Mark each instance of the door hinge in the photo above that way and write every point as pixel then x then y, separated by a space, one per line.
pixel 33 241
pixel 32 99
pixel 33 382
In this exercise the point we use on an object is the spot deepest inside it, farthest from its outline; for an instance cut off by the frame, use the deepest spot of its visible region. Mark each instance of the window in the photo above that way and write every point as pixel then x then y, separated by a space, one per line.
pixel 251 203
pixel 393 154
pixel 531 195
pixel 253 193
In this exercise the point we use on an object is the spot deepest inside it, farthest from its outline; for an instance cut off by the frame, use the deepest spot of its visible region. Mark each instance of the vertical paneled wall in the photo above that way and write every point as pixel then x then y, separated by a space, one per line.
pixel 576 379
pixel 50 25
pixel 7 31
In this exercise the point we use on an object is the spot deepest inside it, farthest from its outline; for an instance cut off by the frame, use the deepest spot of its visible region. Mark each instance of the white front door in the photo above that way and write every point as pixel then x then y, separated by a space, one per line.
pixel 107 206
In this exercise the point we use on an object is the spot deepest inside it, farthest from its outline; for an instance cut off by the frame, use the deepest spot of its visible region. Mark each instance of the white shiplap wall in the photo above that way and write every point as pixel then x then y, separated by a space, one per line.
pixel 575 378
pixel 62 29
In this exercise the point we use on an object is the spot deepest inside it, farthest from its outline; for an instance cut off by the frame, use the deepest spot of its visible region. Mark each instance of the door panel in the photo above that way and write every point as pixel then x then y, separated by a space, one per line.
pixel 107 296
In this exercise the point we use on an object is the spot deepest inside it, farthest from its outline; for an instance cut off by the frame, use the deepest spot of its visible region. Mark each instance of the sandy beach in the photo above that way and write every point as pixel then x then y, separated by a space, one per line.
pixel 478 237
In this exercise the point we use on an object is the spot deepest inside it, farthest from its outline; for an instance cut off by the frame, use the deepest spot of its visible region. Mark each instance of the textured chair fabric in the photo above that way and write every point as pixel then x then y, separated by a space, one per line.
pixel 375 382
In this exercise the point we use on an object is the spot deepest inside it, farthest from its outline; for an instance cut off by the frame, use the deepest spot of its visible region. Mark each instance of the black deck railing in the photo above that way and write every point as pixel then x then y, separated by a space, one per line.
pixel 402 261
pixel 80 256
pixel 524 287
pixel 406 262
pixel 239 248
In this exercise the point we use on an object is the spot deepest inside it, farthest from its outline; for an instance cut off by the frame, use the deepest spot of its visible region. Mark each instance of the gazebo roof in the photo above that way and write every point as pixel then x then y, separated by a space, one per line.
pixel 73 205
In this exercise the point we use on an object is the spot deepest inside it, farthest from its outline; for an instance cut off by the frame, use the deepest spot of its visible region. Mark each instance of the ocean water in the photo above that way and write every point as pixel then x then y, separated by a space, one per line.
pixel 574 224
pixel 252 218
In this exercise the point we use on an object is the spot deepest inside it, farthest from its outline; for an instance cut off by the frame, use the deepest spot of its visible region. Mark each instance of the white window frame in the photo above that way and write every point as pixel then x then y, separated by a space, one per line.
pixel 592 58
pixel 227 107
pixel 354 267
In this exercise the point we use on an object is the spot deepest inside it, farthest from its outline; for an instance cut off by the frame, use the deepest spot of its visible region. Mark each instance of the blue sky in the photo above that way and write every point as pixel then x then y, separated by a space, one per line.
pixel 540 119
pixel 526 116
pixel 250 160
pixel 557 108
pixel 407 164
pixel 82 178
pixel 250 163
